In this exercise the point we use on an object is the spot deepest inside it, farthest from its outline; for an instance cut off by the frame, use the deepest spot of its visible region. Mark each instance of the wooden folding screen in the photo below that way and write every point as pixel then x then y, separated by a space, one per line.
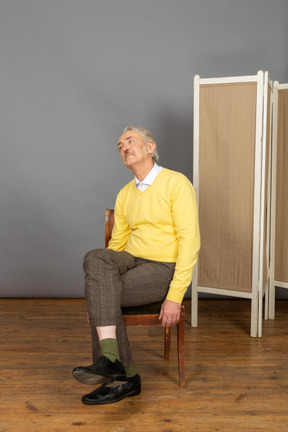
pixel 231 146
pixel 279 200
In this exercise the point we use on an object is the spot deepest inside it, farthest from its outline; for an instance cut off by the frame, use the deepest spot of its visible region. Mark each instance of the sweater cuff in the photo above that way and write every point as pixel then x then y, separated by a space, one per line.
pixel 175 296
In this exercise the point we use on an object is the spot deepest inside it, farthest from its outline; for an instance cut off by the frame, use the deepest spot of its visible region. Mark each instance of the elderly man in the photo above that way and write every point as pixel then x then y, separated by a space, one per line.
pixel 150 258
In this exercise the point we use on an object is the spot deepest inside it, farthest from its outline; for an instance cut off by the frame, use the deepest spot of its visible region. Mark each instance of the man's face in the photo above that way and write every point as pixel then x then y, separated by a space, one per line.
pixel 133 149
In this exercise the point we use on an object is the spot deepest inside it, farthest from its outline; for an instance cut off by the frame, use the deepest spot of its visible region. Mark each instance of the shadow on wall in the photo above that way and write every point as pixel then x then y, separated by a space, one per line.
pixel 174 136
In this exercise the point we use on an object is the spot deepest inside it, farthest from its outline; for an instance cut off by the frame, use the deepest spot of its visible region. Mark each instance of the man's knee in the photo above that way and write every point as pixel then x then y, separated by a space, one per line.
pixel 116 259
pixel 91 258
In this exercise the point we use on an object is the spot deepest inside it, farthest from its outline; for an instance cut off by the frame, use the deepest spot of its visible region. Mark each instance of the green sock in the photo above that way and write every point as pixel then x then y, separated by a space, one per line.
pixel 109 349
pixel 130 371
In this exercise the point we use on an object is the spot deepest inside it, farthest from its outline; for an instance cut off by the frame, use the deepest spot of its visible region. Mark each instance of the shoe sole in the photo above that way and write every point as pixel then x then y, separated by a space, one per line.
pixel 135 392
pixel 93 379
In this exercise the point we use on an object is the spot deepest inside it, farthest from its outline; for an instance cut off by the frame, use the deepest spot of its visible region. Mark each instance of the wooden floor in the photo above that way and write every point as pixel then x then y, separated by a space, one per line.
pixel 234 382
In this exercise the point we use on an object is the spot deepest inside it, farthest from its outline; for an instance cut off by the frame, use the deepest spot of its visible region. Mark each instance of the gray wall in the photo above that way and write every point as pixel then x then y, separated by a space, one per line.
pixel 74 73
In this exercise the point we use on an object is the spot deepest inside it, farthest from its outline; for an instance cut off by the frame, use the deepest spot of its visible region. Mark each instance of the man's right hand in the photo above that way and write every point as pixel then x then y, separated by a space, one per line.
pixel 170 313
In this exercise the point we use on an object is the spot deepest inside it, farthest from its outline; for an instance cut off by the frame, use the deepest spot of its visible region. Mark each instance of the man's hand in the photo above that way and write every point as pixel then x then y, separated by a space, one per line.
pixel 170 313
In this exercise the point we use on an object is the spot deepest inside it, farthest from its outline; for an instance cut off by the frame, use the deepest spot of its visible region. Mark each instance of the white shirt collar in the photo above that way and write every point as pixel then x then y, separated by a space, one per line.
pixel 150 178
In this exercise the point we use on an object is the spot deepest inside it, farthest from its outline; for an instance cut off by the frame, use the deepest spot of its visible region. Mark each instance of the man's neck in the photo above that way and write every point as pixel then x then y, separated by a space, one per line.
pixel 142 171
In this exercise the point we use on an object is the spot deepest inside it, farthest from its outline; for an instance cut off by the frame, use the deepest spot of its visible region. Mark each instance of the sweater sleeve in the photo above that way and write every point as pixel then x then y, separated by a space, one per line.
pixel 121 229
pixel 185 215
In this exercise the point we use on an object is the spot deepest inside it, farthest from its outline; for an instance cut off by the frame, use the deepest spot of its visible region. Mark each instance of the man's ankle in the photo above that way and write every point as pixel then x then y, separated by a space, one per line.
pixel 130 371
pixel 109 349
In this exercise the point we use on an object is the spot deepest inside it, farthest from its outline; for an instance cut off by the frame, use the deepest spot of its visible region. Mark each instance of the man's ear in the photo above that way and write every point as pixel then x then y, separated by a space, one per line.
pixel 151 146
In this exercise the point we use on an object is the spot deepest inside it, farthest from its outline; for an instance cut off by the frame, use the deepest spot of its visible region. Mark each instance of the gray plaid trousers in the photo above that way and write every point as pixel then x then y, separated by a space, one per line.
pixel 114 279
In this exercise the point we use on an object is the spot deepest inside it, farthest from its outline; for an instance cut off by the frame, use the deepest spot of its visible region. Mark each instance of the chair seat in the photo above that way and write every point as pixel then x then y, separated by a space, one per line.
pixel 148 309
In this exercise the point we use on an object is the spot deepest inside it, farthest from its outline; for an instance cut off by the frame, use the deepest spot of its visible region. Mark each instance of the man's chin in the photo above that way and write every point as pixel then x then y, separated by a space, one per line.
pixel 128 161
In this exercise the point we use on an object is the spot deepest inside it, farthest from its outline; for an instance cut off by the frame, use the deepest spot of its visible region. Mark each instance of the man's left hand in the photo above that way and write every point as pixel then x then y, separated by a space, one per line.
pixel 170 313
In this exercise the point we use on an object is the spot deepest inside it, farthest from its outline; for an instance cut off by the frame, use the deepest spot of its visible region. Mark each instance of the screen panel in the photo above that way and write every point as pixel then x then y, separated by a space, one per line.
pixel 227 130
pixel 281 230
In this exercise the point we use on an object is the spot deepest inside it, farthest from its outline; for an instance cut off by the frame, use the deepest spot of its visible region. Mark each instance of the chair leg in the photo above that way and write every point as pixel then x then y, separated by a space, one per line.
pixel 181 349
pixel 167 343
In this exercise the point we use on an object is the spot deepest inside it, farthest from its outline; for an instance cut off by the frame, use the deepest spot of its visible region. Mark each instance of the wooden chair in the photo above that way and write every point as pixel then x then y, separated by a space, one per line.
pixel 148 314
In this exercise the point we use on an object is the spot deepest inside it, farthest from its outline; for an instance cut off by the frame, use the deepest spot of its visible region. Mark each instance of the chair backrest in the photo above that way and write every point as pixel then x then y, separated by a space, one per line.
pixel 109 222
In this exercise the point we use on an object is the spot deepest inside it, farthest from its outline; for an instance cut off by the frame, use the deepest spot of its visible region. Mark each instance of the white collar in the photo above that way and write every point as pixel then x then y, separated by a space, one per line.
pixel 150 178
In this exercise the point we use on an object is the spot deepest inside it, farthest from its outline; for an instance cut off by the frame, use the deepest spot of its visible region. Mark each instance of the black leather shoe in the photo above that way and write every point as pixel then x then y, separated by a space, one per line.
pixel 103 371
pixel 106 395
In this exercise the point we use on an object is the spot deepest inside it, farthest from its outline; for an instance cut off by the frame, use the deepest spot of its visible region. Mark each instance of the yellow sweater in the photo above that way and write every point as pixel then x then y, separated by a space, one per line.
pixel 160 224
